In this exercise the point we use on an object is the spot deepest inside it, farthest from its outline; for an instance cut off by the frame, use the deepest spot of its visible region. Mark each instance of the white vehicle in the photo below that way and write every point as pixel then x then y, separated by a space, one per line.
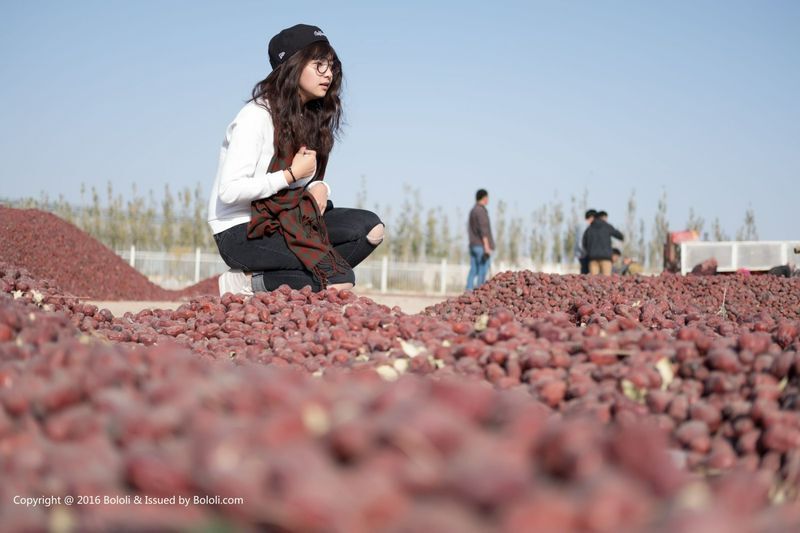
pixel 755 256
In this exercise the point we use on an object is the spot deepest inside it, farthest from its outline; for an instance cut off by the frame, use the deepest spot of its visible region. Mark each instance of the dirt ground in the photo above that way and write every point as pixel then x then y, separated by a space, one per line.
pixel 408 303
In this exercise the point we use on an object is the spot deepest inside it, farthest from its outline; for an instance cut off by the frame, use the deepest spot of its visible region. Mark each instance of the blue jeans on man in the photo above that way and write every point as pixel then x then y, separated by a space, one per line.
pixel 478 266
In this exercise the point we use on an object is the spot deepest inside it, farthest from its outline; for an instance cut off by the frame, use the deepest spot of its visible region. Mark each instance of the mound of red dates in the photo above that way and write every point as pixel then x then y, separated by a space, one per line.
pixel 46 246
pixel 536 402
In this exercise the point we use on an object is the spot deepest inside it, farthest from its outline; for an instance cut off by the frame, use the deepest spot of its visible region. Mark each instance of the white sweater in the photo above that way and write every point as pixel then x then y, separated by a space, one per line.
pixel 242 171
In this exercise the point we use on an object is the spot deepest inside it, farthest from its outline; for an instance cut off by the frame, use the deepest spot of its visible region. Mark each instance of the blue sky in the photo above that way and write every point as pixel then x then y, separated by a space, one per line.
pixel 531 100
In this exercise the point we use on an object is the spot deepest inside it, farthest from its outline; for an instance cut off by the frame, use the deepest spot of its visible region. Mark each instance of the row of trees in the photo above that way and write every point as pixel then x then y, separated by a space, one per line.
pixel 178 222
pixel 549 235
pixel 175 222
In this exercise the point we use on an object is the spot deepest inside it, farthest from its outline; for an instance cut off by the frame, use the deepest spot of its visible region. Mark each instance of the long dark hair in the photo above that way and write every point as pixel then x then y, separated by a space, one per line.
pixel 315 124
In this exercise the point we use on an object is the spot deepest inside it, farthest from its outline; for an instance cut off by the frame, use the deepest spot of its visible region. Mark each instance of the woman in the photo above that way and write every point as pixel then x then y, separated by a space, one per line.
pixel 269 209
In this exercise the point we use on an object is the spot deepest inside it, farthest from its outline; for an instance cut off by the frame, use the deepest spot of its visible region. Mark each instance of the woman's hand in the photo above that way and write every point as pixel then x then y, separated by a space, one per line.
pixel 320 195
pixel 304 164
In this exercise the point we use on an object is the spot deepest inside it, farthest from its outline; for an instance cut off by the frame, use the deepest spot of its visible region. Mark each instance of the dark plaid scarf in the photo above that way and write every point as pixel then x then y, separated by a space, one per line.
pixel 295 214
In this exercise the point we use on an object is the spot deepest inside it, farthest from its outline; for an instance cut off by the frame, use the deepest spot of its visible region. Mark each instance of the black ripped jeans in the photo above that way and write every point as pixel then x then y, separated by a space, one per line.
pixel 273 264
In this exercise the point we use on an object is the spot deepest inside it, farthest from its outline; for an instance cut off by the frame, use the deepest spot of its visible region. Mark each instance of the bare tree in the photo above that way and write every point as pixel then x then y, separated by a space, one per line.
pixel 500 230
pixel 640 253
pixel 458 247
pixel 584 205
pixel 136 218
pixel 431 249
pixel 202 233
pixel 44 202
pixel 83 220
pixel 389 245
pixel 631 238
pixel 167 219
pixel 65 210
pixel 96 217
pixel 515 238
pixel 445 237
pixel 718 232
pixel 361 196
pixel 116 233
pixel 110 218
pixel 537 247
pixel 748 231
pixel 660 231
pixel 417 239
pixel 152 239
pixel 556 220
pixel 695 222
pixel 404 237
pixel 573 230
pixel 184 221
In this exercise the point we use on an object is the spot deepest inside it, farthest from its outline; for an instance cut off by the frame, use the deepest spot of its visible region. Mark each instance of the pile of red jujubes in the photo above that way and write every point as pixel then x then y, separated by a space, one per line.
pixel 708 364
pixel 726 391
pixel 664 302
pixel 252 446
pixel 46 246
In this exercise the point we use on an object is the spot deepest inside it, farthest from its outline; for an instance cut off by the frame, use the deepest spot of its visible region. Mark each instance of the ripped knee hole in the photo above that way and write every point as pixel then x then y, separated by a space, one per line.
pixel 375 235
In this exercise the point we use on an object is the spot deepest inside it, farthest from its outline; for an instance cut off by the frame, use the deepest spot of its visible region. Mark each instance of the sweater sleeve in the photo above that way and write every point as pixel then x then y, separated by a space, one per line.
pixel 616 233
pixel 246 138
pixel 318 182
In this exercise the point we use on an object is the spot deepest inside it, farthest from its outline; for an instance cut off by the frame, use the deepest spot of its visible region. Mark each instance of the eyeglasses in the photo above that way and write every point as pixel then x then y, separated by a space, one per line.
pixel 322 66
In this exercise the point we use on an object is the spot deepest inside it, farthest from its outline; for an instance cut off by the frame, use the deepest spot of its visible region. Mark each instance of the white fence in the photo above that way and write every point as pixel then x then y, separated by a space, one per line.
pixel 176 270
pixel 440 277
pixel 733 255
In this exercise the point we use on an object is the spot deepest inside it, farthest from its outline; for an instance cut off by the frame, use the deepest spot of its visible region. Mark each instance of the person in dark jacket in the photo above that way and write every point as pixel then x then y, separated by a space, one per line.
pixel 481 242
pixel 580 253
pixel 597 244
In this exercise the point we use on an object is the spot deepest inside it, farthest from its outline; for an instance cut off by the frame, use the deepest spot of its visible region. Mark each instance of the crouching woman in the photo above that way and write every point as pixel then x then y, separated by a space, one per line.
pixel 269 208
